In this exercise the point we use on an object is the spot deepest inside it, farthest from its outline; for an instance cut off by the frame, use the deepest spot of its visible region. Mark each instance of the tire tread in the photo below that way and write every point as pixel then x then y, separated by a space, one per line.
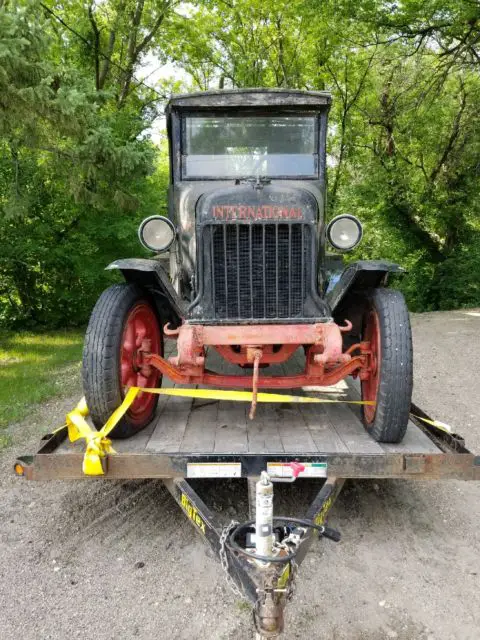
pixel 396 373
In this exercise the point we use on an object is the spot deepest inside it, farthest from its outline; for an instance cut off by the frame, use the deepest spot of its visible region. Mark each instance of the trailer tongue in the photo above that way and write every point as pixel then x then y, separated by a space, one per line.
pixel 213 438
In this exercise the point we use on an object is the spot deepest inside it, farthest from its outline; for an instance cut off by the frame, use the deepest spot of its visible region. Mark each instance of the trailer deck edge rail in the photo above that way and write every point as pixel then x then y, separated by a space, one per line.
pixel 453 461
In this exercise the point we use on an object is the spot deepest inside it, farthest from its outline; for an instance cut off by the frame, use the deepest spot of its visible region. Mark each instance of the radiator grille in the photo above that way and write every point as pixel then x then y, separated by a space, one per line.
pixel 259 270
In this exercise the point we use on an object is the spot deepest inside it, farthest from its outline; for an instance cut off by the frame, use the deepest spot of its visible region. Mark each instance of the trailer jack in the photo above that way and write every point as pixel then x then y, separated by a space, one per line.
pixel 261 557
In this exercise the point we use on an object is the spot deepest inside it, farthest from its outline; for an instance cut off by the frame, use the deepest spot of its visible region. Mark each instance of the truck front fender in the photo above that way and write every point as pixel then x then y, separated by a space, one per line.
pixel 347 296
pixel 150 275
pixel 359 276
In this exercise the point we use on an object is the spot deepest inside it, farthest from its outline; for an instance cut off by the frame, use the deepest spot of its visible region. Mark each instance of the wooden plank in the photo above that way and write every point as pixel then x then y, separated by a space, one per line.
pixel 199 434
pixel 263 434
pixel 294 430
pixel 137 443
pixel 231 424
pixel 176 430
pixel 279 428
pixel 315 417
pixel 172 419
pixel 350 430
pixel 321 429
pixel 414 441
pixel 263 431
pixel 231 428
pixel 292 426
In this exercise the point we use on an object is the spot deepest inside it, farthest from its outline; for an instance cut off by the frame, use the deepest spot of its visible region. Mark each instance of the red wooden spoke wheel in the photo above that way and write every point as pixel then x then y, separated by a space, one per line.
pixel 141 334
pixel 371 384
pixel 123 327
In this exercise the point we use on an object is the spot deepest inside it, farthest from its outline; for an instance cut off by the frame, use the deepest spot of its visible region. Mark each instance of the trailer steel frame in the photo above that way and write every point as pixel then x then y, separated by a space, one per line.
pixel 268 587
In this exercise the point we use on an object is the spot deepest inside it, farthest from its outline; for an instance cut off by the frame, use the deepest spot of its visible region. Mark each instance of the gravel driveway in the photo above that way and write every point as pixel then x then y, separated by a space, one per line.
pixel 105 560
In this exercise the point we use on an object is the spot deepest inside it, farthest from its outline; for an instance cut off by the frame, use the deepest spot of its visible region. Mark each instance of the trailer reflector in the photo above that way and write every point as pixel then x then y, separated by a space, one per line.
pixel 19 470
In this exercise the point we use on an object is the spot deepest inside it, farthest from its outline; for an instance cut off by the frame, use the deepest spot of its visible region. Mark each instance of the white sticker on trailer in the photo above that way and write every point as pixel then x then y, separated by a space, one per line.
pixel 214 470
pixel 283 470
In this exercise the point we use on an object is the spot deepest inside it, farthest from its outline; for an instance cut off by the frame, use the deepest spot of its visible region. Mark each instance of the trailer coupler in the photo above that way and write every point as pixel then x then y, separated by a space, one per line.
pixel 261 557
pixel 275 573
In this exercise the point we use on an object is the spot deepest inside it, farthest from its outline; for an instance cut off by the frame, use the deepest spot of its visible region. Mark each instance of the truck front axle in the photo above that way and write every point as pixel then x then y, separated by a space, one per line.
pixel 255 345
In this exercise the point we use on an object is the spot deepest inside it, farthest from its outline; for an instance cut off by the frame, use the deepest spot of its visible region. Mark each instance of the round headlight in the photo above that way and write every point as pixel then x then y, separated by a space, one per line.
pixel 344 232
pixel 156 233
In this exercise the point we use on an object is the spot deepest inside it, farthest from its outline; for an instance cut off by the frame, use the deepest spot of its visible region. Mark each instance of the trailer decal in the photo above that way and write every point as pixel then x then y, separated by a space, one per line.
pixel 284 470
pixel 283 579
pixel 192 513
pixel 322 515
pixel 214 470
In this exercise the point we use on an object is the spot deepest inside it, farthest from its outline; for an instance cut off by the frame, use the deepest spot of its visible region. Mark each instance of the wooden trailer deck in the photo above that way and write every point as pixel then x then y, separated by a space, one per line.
pixel 185 425
pixel 188 432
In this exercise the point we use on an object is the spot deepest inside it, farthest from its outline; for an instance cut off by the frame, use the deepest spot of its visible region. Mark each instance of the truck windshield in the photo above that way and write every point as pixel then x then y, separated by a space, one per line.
pixel 250 146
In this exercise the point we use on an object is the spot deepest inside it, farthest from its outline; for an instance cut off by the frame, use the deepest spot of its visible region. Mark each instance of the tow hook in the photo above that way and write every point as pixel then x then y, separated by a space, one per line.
pixel 254 354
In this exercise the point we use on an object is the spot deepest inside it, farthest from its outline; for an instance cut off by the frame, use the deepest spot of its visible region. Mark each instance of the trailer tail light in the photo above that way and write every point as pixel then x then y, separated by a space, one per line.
pixel 19 469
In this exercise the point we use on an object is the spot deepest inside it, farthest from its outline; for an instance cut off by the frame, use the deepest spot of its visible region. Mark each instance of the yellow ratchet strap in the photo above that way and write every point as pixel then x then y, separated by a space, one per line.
pixel 435 423
pixel 240 396
pixel 98 445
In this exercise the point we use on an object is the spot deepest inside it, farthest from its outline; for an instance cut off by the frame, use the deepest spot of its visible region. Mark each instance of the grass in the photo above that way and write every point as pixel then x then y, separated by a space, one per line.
pixel 35 367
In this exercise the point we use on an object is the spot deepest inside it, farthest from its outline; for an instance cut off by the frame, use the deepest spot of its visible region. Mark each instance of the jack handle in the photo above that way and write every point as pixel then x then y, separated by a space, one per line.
pixel 324 532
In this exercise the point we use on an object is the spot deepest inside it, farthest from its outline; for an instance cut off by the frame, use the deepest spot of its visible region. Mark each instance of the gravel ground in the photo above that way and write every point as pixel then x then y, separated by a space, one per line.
pixel 119 560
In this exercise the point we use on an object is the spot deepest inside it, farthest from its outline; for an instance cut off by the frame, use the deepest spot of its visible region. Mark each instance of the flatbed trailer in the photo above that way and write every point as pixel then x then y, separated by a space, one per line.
pixel 202 438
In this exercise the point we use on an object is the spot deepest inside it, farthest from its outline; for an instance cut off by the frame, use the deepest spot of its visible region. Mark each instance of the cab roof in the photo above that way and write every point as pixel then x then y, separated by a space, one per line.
pixel 251 98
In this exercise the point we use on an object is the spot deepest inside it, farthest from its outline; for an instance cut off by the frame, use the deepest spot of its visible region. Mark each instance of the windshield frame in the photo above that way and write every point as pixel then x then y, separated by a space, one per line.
pixel 315 114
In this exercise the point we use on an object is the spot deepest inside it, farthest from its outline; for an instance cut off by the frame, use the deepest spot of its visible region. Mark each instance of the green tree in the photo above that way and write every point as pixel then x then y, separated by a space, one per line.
pixel 75 154
pixel 78 170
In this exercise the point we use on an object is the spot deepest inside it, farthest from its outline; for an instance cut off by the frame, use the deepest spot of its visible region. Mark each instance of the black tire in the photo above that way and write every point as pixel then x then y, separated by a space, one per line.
pixel 388 420
pixel 102 357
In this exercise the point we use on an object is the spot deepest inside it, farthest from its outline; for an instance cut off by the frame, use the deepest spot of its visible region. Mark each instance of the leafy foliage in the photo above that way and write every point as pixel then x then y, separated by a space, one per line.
pixel 78 170
pixel 77 173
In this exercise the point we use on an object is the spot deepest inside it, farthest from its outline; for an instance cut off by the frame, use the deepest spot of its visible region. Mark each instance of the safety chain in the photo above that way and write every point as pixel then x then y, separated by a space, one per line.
pixel 226 531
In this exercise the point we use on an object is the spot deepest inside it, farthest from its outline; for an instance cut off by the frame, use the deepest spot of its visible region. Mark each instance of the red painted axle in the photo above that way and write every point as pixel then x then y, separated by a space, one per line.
pixel 264 382
pixel 326 363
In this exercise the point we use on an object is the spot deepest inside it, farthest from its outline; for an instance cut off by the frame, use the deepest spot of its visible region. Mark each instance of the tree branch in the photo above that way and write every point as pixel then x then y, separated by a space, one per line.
pixel 151 34
pixel 452 138
pixel 131 59
pixel 96 45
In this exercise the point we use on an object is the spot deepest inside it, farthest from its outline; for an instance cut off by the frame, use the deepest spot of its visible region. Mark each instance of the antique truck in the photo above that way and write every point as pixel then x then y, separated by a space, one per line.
pixel 249 275
pixel 250 300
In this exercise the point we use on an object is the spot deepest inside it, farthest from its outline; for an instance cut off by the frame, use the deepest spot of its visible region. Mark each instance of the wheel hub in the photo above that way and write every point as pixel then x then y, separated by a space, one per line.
pixel 141 336
pixel 371 382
